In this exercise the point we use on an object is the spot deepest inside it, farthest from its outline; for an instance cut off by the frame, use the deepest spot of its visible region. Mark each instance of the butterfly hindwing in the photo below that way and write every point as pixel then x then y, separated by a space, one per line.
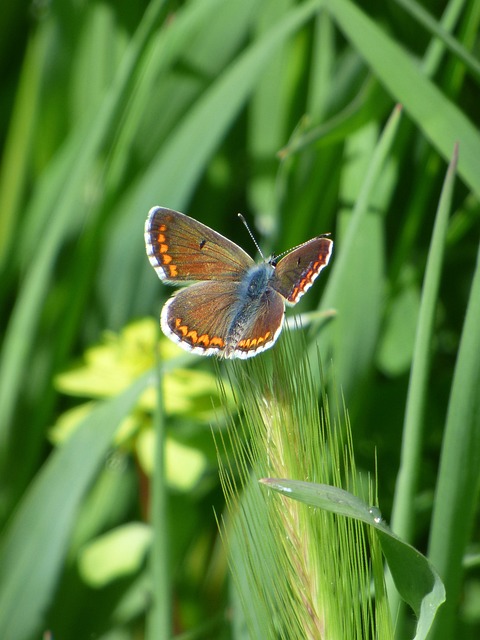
pixel 265 327
pixel 207 318
pixel 198 317
pixel 182 249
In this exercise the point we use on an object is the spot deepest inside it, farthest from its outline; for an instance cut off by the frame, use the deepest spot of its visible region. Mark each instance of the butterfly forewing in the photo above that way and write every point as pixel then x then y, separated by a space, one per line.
pixel 296 272
pixel 182 249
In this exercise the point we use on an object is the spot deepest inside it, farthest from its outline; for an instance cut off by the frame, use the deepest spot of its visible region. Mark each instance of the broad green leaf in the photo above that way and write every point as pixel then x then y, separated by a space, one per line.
pixel 395 351
pixel 117 553
pixel 31 564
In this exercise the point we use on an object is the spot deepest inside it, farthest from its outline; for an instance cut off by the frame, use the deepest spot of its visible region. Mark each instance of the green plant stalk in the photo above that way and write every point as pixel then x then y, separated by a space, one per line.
pixel 354 285
pixel 403 514
pixel 159 621
pixel 285 556
pixel 430 65
pixel 458 486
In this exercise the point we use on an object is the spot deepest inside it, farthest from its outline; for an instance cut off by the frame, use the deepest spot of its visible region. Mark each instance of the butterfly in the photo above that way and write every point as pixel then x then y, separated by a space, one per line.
pixel 235 307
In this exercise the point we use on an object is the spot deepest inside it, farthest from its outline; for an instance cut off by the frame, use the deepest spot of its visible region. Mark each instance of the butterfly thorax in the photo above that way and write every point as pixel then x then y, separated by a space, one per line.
pixel 255 281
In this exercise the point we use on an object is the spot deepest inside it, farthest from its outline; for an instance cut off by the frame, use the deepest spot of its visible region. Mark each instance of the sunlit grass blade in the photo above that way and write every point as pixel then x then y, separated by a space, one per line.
pixel 355 281
pixel 13 172
pixel 445 125
pixel 31 564
pixel 268 119
pixel 368 102
pixel 425 19
pixel 213 112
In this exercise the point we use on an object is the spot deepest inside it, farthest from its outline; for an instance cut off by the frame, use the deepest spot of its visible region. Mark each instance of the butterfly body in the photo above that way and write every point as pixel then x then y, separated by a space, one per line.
pixel 235 307
pixel 253 295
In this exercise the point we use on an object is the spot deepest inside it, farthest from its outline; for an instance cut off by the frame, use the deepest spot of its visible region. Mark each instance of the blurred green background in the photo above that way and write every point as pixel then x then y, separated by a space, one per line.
pixel 277 109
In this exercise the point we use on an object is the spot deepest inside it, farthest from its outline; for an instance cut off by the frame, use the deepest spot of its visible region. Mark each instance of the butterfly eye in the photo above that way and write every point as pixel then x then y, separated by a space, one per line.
pixel 202 243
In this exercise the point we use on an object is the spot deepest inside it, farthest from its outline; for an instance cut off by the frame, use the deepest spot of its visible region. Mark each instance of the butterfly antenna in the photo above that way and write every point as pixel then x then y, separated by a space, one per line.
pixel 251 235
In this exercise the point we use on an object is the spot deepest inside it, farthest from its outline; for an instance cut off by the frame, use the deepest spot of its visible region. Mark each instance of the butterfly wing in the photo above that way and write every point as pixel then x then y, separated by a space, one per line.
pixel 180 249
pixel 198 318
pixel 206 318
pixel 264 329
pixel 296 272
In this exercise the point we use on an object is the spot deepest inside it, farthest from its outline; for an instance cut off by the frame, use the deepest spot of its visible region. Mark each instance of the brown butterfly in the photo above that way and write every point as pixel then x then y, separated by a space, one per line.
pixel 235 307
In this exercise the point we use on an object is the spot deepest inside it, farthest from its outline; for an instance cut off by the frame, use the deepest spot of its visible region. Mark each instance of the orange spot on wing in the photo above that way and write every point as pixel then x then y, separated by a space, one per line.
pixel 180 328
pixel 252 343
pixel 193 336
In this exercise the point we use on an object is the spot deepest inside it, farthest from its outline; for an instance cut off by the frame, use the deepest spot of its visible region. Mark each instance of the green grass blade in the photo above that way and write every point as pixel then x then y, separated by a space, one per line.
pixel 436 49
pixel 31 564
pixel 17 148
pixel 355 282
pixel 444 125
pixel 425 19
pixel 403 514
pixel 213 113
pixel 268 119
pixel 456 495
